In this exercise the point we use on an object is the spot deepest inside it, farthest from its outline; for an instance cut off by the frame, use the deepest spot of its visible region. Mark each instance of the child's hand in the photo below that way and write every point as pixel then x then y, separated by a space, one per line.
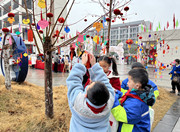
pixel 92 60
pixel 119 94
pixel 84 58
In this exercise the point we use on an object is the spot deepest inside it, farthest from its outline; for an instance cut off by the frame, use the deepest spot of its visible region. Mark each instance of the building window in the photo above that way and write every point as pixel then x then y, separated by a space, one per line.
pixel 25 36
pixel 16 18
pixel 29 4
pixel 7 8
pixel 15 4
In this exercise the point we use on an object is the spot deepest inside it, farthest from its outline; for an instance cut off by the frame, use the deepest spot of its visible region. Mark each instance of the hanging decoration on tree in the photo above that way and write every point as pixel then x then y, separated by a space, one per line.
pixel 67 29
pixel 26 21
pixel 11 18
pixel 41 3
pixel 129 42
pixel 43 23
pixel 30 35
pixel 61 20
pixel 98 26
pixel 96 39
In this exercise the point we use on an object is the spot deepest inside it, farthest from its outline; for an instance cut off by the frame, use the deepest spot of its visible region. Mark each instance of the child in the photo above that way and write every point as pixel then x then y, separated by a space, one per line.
pixel 132 111
pixel 175 72
pixel 138 65
pixel 91 106
pixel 105 62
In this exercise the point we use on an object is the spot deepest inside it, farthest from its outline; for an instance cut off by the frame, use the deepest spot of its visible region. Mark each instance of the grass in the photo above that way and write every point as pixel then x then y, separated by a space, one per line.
pixel 22 109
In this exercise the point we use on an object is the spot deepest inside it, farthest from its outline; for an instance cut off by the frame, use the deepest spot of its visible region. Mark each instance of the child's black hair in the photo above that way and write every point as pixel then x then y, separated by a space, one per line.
pixel 137 65
pixel 139 75
pixel 98 94
pixel 177 60
pixel 110 60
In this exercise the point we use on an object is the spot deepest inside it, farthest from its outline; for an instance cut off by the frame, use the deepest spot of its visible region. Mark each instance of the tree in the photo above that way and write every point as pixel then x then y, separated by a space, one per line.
pixel 116 7
pixel 48 39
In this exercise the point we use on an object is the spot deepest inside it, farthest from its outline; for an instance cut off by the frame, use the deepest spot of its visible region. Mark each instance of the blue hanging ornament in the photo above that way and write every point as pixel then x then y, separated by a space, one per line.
pixel 67 29
pixel 38 27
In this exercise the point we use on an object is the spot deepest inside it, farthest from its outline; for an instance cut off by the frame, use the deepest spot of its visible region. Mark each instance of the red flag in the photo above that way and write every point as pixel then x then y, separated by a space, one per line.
pixel 174 21
pixel 150 26
pixel 167 24
pixel 164 28
pixel 144 29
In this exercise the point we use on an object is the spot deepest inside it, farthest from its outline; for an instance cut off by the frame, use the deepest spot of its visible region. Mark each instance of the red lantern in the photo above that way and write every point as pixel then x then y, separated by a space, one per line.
pixel 50 15
pixel 140 37
pixel 61 20
pixel 117 12
pixel 85 20
pixel 123 19
pixel 6 30
pixel 129 41
pixel 108 19
pixel 40 54
pixel 87 36
pixel 121 14
pixel 33 24
pixel 11 14
pixel 126 8
pixel 41 31
pixel 91 37
pixel 113 21
pixel 108 4
pixel 62 37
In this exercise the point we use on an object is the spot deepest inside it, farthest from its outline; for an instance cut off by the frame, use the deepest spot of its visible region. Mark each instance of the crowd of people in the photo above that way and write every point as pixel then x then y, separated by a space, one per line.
pixel 99 102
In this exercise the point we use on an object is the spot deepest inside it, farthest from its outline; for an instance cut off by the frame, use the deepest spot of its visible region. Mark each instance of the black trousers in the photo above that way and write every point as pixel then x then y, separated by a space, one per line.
pixel 56 67
pixel 174 85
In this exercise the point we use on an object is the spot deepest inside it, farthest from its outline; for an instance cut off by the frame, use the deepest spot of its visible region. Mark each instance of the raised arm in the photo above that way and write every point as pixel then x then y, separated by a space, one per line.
pixel 75 78
pixel 97 74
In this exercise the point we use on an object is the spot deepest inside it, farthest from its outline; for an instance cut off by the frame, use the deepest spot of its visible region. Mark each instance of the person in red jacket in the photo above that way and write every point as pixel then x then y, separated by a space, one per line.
pixel 105 62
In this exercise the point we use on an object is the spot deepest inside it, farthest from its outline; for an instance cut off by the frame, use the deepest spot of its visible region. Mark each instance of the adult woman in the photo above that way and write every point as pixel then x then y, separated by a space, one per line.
pixel 175 72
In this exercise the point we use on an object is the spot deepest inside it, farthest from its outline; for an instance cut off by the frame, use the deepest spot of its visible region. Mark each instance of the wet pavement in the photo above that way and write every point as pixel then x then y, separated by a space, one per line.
pixel 36 76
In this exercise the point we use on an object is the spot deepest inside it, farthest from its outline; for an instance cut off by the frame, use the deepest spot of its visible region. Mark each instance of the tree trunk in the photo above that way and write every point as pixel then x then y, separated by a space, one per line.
pixel 7 67
pixel 48 78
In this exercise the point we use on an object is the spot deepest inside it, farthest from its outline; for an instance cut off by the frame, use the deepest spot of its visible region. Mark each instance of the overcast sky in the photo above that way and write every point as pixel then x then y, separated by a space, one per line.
pixel 150 10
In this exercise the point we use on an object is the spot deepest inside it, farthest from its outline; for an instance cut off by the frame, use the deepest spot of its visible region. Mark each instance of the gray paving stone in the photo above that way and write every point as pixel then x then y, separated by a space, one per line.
pixel 161 127
pixel 177 127
pixel 174 110
pixel 170 120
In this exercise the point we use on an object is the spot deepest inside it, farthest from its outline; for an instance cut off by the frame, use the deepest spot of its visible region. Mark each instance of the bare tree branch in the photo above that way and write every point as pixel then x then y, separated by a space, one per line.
pixel 58 18
pixel 31 27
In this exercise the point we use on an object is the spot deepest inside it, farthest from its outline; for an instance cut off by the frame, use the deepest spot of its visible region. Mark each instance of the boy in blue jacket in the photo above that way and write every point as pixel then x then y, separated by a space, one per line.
pixel 132 110
pixel 91 106
pixel 124 86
